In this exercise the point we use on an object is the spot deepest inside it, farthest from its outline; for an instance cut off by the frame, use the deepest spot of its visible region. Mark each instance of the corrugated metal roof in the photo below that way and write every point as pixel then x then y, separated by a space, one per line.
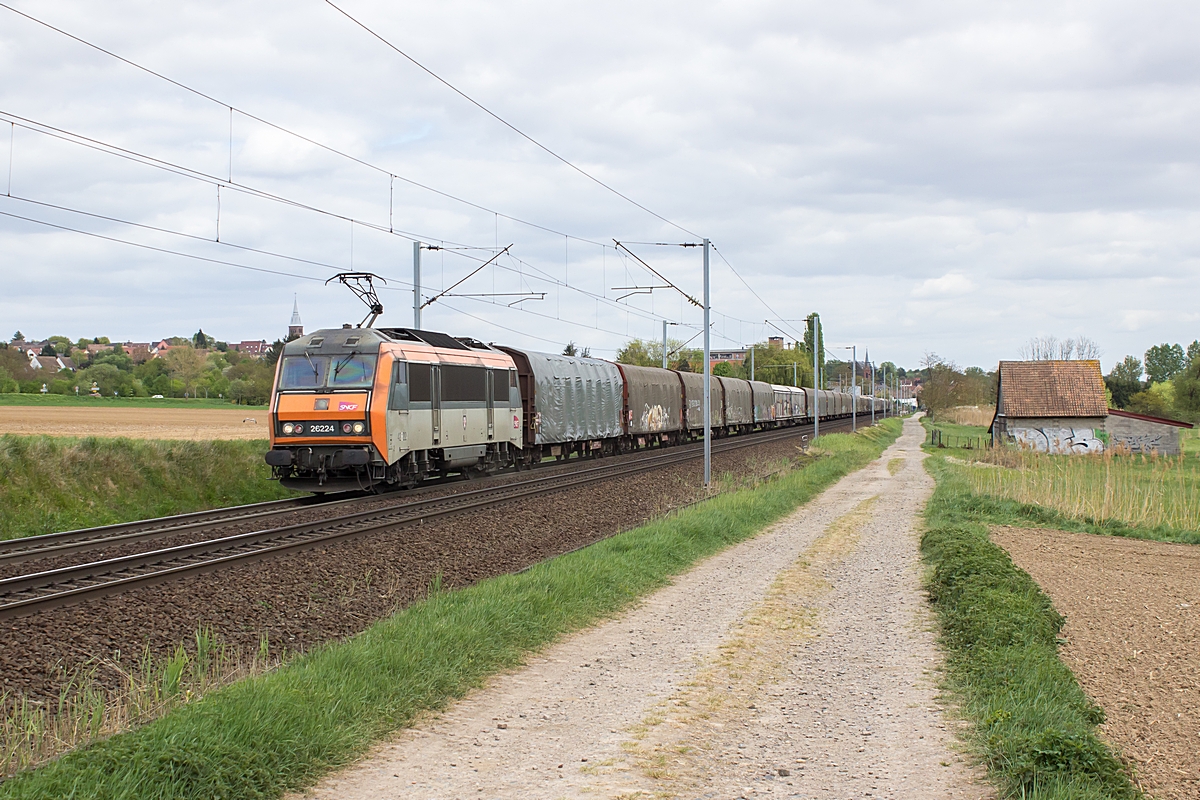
pixel 1051 389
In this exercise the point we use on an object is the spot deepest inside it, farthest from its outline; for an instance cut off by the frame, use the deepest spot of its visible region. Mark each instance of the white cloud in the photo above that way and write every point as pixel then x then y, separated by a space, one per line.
pixel 938 176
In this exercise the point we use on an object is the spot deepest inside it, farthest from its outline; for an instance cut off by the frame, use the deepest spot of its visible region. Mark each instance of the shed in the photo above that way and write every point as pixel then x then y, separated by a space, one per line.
pixel 1051 406
pixel 1141 433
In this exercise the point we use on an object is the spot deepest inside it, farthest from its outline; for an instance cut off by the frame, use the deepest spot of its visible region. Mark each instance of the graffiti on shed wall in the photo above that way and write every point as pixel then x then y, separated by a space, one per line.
pixel 1060 441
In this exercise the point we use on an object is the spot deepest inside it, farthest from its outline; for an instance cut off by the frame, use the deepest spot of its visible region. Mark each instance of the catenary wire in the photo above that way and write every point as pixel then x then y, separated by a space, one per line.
pixel 505 122
pixel 376 167
pixel 284 129
pixel 158 249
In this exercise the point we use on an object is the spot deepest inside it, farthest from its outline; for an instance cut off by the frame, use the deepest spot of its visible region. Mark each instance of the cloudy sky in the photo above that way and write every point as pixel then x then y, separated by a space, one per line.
pixel 929 176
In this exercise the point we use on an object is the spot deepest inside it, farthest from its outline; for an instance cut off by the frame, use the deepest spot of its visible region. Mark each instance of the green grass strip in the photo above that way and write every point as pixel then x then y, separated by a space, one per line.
pixel 1032 724
pixel 284 730
pixel 50 483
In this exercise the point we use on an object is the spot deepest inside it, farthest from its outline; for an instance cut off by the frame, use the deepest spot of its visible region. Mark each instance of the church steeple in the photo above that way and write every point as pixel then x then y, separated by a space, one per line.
pixel 295 327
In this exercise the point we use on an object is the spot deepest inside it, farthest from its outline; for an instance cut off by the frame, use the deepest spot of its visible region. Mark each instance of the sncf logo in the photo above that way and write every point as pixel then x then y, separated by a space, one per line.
pixel 347 406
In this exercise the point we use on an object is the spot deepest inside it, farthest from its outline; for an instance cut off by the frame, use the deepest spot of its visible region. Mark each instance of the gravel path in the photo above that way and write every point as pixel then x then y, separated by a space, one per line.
pixel 796 664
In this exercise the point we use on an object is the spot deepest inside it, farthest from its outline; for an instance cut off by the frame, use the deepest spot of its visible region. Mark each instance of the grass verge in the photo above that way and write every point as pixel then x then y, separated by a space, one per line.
pixel 1032 724
pixel 1136 496
pixel 283 730
pixel 50 483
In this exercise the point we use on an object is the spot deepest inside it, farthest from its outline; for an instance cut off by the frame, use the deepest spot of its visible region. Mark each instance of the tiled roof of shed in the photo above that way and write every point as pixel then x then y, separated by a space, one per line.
pixel 1051 389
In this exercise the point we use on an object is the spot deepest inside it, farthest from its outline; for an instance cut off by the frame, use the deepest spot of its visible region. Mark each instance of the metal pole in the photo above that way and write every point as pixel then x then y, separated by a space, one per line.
pixel 416 286
pixel 664 344
pixel 816 320
pixel 853 389
pixel 707 380
pixel 751 362
pixel 872 394
pixel 795 374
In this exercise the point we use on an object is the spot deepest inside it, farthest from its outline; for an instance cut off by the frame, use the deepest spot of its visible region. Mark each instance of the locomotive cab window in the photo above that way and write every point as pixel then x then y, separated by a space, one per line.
pixel 351 371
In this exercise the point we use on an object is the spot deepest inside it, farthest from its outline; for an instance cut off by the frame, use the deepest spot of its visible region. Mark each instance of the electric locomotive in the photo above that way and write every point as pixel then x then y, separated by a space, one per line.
pixel 370 408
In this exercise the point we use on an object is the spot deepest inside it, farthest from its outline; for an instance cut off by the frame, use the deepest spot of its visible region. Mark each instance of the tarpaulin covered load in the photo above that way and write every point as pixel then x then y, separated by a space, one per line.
pixel 764 401
pixel 693 391
pixel 739 401
pixel 573 398
pixel 654 399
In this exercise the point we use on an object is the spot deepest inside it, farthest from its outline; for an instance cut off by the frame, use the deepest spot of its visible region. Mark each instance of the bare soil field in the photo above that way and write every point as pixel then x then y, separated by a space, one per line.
pixel 198 424
pixel 1133 641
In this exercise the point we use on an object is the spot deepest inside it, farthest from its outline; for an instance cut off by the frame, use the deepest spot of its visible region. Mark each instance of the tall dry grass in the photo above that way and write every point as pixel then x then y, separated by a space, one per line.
pixel 980 416
pixel 1139 490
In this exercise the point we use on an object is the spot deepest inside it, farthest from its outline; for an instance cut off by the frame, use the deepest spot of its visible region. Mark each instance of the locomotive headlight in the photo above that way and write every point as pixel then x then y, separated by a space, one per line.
pixel 288 427
pixel 345 427
pixel 299 429
pixel 359 427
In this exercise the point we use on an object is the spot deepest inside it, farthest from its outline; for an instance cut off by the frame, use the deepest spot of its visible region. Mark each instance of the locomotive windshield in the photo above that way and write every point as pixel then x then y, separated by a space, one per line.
pixel 351 371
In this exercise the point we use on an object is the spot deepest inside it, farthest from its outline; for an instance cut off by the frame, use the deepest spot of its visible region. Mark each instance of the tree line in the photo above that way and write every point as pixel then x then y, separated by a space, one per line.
pixel 1171 387
pixel 195 366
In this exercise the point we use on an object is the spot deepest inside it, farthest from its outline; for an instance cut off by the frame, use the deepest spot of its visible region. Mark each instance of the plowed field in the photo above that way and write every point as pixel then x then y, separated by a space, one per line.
pixel 136 423
pixel 1133 641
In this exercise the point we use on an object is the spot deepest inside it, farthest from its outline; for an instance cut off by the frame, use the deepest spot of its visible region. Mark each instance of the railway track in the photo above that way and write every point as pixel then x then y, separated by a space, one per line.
pixel 39 591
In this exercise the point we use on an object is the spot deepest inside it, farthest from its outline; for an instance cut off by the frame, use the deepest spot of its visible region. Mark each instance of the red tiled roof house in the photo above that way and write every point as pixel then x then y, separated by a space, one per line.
pixel 1051 406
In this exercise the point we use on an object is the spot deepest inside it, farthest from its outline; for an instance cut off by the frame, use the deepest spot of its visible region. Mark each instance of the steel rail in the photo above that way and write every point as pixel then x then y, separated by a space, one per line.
pixel 29 548
pixel 25 594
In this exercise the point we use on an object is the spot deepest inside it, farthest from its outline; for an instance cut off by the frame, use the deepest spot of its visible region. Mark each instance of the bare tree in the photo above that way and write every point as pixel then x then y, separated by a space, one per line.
pixel 1050 348
pixel 1086 349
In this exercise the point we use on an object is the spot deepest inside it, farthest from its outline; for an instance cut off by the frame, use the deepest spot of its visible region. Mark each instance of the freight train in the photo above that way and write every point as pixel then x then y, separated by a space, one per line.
pixel 377 408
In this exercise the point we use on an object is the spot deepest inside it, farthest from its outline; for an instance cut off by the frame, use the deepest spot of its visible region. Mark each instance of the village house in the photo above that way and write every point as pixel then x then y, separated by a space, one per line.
pixel 1051 406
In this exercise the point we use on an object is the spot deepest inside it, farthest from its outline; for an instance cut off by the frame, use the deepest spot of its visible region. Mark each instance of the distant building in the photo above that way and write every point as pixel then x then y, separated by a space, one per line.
pixel 1051 406
pixel 50 363
pixel 295 327
pixel 139 351
pixel 251 348
pixel 775 342
pixel 736 357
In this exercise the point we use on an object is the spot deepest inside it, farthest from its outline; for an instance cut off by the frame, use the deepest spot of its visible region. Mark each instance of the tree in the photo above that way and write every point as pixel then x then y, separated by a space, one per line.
pixel 1193 351
pixel 185 365
pixel 1130 369
pixel 48 350
pixel 642 353
pixel 722 369
pixel 1051 348
pixel 570 349
pixel 1187 390
pixel 585 352
pixel 1149 403
pixel 8 385
pixel 808 344
pixel 200 341
pixel 18 337
pixel 271 355
pixel 1124 381
pixel 1164 361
